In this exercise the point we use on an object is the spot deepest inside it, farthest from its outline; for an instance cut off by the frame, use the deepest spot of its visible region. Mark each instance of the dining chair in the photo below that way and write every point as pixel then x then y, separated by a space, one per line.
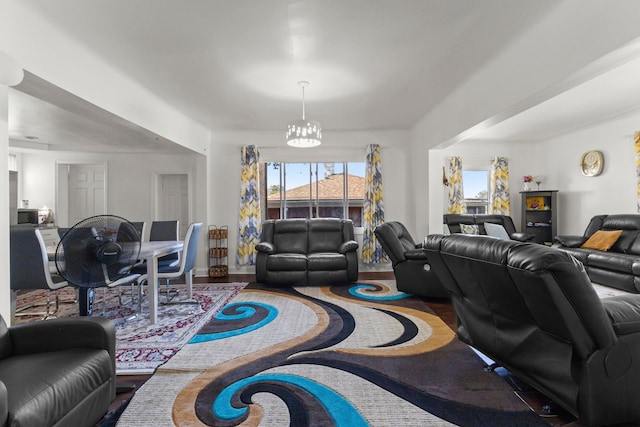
pixel 30 269
pixel 166 230
pixel 160 231
pixel 187 261
pixel 122 235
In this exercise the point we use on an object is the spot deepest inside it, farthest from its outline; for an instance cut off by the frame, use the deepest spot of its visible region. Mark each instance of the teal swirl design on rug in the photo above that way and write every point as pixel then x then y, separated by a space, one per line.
pixel 231 313
pixel 339 409
pixel 357 291
pixel 387 360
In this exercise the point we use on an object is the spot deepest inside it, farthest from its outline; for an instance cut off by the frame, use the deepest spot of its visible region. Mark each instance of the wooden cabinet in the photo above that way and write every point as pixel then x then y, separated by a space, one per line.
pixel 218 251
pixel 540 215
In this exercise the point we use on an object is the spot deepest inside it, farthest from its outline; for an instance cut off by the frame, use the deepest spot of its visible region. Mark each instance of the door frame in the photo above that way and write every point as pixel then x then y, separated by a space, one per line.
pixel 62 188
pixel 155 191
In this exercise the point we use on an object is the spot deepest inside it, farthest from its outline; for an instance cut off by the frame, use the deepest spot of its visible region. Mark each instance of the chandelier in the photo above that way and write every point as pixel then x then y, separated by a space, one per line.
pixel 303 133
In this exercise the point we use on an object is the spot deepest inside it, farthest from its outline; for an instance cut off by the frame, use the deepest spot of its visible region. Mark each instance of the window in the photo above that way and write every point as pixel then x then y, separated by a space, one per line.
pixel 476 191
pixel 314 190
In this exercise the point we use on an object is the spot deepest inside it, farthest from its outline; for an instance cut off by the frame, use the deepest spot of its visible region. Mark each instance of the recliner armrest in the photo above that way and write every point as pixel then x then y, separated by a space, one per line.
pixel 63 333
pixel 569 241
pixel 522 237
pixel 266 247
pixel 4 404
pixel 348 246
pixel 624 313
pixel 416 254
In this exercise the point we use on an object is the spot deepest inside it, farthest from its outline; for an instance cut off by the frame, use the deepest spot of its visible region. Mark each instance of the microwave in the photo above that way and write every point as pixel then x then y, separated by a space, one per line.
pixel 28 216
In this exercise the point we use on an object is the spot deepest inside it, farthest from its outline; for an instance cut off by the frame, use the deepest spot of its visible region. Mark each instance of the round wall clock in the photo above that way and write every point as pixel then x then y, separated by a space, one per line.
pixel 592 163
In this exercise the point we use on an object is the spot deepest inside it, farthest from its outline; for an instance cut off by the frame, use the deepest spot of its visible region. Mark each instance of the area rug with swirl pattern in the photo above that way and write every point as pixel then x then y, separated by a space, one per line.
pixel 359 354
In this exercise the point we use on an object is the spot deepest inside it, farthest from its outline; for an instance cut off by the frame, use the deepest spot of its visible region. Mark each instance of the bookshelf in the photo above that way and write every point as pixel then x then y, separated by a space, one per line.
pixel 540 215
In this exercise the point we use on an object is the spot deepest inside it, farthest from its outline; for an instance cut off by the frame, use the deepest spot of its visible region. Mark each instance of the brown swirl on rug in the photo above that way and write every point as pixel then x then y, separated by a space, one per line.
pixel 357 354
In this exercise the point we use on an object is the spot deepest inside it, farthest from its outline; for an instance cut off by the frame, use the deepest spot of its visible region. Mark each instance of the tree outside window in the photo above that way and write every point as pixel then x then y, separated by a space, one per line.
pixel 476 191
pixel 314 190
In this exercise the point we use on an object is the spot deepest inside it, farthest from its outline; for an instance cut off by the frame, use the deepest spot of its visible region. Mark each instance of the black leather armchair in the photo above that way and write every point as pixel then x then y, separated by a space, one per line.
pixel 57 372
pixel 317 250
pixel 413 273
pixel 533 310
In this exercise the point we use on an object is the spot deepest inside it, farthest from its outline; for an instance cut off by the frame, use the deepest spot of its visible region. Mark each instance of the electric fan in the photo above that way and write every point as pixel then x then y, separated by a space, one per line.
pixel 96 252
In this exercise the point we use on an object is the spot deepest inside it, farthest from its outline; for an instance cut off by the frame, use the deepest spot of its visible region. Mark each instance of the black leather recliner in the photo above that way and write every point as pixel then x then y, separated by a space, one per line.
pixel 413 273
pixel 317 250
pixel 619 266
pixel 533 310
pixel 57 372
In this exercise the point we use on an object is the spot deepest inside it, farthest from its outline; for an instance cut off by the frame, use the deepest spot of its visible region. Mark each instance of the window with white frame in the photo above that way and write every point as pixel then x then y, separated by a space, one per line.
pixel 313 190
pixel 476 191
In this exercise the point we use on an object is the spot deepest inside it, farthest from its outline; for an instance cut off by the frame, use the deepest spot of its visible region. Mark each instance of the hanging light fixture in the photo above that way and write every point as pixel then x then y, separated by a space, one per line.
pixel 304 133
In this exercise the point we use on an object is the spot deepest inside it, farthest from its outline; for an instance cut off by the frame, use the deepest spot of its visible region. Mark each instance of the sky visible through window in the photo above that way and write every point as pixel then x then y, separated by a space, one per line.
pixel 298 173
pixel 474 182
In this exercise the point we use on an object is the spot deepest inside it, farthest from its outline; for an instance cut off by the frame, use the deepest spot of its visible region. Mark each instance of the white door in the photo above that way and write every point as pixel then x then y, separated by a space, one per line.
pixel 173 199
pixel 86 192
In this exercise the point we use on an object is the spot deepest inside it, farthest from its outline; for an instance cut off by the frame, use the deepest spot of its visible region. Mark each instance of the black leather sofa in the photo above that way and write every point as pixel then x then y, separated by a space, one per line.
pixel 410 266
pixel 58 372
pixel 533 310
pixel 455 221
pixel 317 250
pixel 619 266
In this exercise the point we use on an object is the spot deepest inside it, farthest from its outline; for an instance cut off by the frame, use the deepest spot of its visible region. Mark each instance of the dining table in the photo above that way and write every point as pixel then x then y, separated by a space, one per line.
pixel 150 251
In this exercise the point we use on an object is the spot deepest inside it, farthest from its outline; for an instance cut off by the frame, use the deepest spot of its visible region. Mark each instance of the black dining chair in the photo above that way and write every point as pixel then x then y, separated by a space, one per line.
pixel 187 261
pixel 30 269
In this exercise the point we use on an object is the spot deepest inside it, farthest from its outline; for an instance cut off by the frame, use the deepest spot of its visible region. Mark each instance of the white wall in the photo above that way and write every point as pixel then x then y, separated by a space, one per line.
pixel 130 184
pixel 557 161
pixel 580 197
pixel 5 292
pixel 224 172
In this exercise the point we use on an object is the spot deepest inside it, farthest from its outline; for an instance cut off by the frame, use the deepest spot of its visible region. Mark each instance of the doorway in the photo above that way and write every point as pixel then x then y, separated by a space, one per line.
pixel 173 199
pixel 81 192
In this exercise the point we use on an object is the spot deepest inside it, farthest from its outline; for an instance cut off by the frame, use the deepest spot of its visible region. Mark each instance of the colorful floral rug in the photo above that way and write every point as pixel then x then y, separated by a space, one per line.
pixel 140 346
pixel 361 354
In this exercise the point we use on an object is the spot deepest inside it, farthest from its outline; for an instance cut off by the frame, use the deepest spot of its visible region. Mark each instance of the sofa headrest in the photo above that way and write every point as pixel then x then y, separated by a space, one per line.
pixel 478 247
pixel 621 222
pixel 290 226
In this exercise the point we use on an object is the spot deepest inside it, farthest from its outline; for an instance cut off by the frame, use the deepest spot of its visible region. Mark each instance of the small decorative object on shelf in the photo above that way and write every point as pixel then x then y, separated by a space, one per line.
pixel 526 180
pixel 218 251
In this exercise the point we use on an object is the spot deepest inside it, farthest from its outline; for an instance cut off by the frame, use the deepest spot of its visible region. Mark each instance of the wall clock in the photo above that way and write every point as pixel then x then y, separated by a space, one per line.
pixel 592 163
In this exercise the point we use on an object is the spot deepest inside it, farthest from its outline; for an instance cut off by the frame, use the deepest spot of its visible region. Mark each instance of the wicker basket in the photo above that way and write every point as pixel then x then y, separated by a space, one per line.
pixel 219 271
pixel 218 252
pixel 219 233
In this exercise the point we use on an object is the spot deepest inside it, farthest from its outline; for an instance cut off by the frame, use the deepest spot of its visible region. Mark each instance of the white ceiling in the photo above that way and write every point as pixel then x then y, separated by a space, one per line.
pixel 234 65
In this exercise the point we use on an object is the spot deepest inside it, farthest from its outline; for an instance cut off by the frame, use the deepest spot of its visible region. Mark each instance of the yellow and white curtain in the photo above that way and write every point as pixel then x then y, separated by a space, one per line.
pixel 456 203
pixel 373 212
pixel 636 144
pixel 499 201
pixel 249 221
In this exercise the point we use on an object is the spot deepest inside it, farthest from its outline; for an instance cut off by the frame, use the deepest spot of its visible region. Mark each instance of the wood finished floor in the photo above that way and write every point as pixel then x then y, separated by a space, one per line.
pixel 442 308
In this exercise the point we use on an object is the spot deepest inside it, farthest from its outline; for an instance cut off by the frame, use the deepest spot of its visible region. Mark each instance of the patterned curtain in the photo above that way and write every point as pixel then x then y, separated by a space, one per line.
pixel 456 193
pixel 499 202
pixel 373 212
pixel 249 222
pixel 636 144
